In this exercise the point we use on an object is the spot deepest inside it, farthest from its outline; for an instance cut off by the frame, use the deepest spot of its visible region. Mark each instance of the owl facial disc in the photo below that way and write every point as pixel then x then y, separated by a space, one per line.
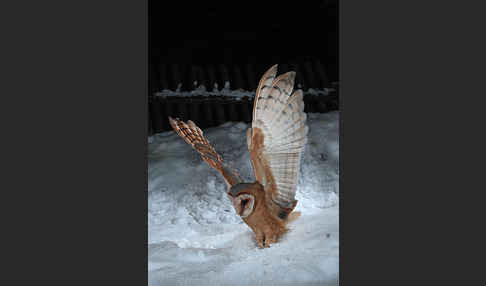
pixel 244 204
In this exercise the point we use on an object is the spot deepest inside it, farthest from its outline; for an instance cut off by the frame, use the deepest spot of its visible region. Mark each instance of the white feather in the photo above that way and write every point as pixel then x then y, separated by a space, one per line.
pixel 279 113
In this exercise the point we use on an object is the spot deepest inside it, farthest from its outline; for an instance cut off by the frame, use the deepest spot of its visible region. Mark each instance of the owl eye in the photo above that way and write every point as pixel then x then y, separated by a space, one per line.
pixel 244 202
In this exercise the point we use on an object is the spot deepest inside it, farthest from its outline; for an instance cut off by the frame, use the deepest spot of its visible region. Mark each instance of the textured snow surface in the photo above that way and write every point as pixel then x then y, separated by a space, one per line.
pixel 195 236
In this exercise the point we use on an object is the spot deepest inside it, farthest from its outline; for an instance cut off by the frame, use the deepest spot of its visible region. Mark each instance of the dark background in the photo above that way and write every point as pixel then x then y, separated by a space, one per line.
pixel 240 33
pixel 212 44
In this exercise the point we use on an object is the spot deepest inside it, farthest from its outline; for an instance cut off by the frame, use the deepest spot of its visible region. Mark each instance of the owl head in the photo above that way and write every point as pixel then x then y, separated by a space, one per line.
pixel 244 197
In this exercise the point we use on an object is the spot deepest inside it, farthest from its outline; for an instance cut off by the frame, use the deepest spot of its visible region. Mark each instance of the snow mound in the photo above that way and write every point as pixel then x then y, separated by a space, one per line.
pixel 195 236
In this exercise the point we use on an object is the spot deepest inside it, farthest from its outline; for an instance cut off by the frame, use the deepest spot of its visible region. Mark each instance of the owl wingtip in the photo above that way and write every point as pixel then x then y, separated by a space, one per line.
pixel 173 119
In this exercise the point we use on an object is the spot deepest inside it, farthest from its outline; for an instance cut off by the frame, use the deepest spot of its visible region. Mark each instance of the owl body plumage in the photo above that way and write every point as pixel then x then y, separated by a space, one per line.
pixel 276 141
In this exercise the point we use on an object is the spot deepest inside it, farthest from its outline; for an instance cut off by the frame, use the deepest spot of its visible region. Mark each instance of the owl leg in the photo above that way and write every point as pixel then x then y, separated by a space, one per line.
pixel 270 239
pixel 260 239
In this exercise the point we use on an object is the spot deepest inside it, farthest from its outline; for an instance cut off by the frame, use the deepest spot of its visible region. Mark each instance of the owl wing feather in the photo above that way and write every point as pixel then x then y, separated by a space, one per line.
pixel 278 136
pixel 193 136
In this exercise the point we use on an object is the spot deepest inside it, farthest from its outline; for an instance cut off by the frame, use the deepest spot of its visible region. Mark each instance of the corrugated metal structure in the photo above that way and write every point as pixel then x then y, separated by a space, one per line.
pixel 310 74
pixel 320 95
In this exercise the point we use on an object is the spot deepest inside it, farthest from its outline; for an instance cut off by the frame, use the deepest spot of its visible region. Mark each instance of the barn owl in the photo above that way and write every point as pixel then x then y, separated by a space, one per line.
pixel 276 141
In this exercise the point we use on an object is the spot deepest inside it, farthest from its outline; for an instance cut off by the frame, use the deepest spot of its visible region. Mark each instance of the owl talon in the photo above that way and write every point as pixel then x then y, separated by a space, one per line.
pixel 270 241
pixel 265 243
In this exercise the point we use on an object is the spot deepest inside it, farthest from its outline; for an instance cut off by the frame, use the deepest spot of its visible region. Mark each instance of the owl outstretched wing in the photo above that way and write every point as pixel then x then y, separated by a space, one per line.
pixel 193 136
pixel 277 138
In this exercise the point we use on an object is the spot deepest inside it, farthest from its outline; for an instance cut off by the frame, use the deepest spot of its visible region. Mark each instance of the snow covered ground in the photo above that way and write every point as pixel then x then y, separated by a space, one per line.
pixel 195 236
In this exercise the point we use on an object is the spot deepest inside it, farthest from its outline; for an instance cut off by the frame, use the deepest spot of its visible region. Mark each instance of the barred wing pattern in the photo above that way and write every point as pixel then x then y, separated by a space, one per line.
pixel 193 136
pixel 278 136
